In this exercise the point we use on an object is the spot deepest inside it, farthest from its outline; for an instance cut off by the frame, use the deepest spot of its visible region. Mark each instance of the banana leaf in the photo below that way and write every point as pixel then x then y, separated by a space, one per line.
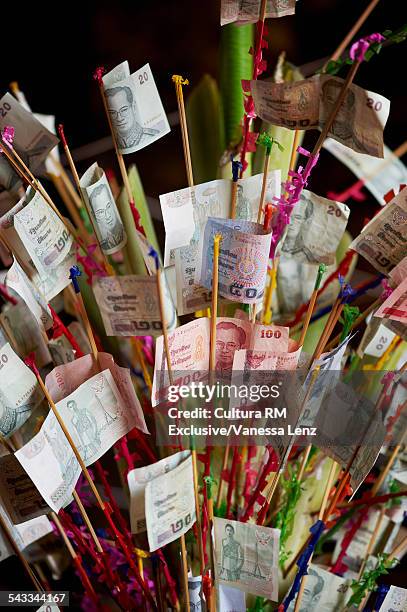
pixel 132 256
pixel 206 129
pixel 235 64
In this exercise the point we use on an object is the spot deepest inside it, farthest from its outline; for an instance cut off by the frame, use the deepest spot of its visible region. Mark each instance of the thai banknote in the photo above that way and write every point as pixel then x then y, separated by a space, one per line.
pixel 96 416
pixel 395 307
pixel 25 334
pixel 296 282
pixel 315 230
pixel 49 281
pixel 17 280
pixel 323 591
pixel 308 104
pixel 137 480
pixel 246 557
pixel 186 211
pixel 190 296
pixel 19 495
pixel 51 464
pixel 376 339
pixel 135 107
pixel 129 305
pixel 24 534
pixel 379 176
pixel 196 599
pixel 243 259
pixel 64 380
pixel 170 505
pixel 45 236
pixel 108 224
pixel 20 392
pixel 383 241
pixel 189 349
pixel 32 140
pixel 395 600
pixel 248 11
pixel 61 351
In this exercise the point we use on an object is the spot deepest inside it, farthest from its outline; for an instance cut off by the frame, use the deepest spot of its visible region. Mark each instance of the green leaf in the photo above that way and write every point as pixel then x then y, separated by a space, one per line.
pixel 206 129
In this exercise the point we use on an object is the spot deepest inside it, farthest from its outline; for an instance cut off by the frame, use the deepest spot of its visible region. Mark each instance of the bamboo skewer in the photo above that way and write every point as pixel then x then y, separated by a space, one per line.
pixel 75 175
pixel 355 28
pixel 179 82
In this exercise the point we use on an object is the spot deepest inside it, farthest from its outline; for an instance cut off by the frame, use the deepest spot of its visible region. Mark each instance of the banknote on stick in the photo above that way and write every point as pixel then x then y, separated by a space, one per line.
pixel 243 259
pixel 246 557
pixel 135 107
pixel 32 140
pixel 17 280
pixel 108 224
pixel 315 230
pixel 170 505
pixel 20 392
pixel 137 480
pixel 379 175
pixel 323 591
pixel 129 305
pixel 248 11
pixel 307 104
pixel 51 464
pixel 19 496
pixel 24 333
pixel 186 211
pixel 64 380
pixel 383 241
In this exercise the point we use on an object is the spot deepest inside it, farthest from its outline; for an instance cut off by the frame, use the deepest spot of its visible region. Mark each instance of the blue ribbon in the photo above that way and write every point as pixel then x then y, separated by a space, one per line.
pixel 316 531
pixel 153 253
pixel 236 167
pixel 381 594
pixel 74 273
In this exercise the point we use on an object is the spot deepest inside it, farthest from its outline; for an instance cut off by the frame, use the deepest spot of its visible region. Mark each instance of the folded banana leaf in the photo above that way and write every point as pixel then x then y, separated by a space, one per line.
pixel 132 256
pixel 206 129
pixel 235 64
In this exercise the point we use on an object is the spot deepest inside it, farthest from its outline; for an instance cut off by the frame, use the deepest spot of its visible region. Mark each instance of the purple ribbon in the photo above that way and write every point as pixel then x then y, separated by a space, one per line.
pixel 358 49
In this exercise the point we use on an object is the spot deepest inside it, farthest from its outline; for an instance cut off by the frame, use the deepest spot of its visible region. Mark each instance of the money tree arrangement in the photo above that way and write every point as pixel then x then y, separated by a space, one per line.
pixel 220 425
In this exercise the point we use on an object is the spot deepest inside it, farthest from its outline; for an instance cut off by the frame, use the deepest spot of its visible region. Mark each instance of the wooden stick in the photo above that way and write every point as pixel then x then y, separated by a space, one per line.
pixel 214 308
pixel 311 305
pixel 75 175
pixel 221 481
pixel 304 460
pixel 324 335
pixel 355 28
pixel 179 82
pixel 267 312
pixel 233 200
pixel 86 323
pixel 296 142
pixel 140 358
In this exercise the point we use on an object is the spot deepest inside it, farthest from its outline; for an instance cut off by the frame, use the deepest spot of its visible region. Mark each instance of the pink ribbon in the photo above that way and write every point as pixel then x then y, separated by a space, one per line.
pixel 358 49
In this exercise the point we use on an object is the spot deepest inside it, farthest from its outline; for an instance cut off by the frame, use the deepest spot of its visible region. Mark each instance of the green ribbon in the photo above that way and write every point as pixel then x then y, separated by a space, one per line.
pixel 268 141
pixel 367 583
pixel 349 315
